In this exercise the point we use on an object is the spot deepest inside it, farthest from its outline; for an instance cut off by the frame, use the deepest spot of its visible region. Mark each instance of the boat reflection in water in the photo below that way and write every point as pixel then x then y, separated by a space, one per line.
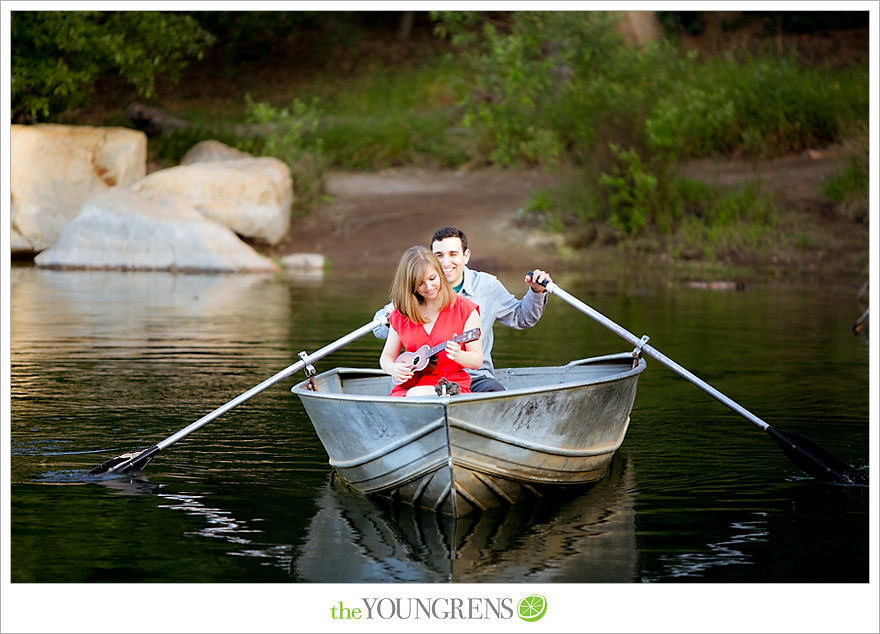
pixel 588 537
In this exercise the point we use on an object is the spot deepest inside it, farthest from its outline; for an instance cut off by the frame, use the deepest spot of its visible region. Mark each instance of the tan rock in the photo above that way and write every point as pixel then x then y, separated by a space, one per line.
pixel 251 196
pixel 303 262
pixel 121 229
pixel 212 151
pixel 55 168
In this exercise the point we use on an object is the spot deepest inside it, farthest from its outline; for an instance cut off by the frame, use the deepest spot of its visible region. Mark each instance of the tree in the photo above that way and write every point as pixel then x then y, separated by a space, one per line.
pixel 58 55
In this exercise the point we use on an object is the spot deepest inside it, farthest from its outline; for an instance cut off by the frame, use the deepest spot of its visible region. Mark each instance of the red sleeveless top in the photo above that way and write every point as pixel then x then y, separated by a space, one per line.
pixel 450 322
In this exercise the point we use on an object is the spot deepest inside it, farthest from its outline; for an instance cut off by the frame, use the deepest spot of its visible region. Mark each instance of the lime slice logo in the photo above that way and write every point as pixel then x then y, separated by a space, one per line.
pixel 532 608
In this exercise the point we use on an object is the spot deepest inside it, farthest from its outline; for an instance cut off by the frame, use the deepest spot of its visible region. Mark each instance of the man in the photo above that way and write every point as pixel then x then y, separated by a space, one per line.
pixel 449 244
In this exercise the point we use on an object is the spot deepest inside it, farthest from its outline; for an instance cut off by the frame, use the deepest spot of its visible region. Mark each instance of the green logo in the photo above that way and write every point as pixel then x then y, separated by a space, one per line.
pixel 532 608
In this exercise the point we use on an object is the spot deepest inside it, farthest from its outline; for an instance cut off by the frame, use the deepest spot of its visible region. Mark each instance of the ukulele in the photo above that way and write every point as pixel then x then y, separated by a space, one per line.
pixel 421 358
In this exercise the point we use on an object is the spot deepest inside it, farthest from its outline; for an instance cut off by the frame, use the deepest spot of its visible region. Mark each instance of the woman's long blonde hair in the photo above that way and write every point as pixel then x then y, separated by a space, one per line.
pixel 409 275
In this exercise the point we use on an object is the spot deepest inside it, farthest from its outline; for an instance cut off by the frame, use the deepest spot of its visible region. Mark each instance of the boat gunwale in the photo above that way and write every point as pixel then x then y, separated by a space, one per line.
pixel 301 389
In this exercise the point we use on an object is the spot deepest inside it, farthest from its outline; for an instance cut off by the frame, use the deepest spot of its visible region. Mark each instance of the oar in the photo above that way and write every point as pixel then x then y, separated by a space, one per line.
pixel 803 452
pixel 135 461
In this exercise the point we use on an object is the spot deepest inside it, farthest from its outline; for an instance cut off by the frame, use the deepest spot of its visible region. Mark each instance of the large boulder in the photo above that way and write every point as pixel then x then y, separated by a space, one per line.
pixel 55 168
pixel 251 196
pixel 121 229
pixel 211 151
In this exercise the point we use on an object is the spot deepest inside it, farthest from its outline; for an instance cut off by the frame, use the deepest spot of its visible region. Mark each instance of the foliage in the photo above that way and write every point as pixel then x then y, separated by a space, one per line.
pixel 632 191
pixel 694 22
pixel 849 186
pixel 760 107
pixel 289 134
pixel 317 39
pixel 388 116
pixel 536 93
pixel 58 55
pixel 563 84
pixel 735 220
pixel 563 88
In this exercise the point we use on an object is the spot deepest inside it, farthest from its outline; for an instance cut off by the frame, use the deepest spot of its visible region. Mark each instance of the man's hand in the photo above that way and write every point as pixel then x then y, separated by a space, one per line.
pixel 534 279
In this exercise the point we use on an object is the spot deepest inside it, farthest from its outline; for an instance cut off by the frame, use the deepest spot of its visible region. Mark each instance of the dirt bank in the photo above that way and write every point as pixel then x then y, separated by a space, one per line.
pixel 370 218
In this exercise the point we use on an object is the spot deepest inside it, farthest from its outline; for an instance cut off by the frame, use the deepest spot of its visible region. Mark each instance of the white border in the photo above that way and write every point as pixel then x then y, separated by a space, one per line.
pixel 305 607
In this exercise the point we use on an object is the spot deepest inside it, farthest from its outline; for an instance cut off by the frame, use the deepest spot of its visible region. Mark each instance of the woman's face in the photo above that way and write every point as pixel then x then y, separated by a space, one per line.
pixel 429 287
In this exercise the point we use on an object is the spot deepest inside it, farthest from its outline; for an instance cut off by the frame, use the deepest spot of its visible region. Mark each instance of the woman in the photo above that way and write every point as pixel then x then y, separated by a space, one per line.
pixel 428 311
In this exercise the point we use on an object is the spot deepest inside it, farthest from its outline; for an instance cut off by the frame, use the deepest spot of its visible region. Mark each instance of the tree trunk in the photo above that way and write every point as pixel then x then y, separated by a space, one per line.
pixel 404 29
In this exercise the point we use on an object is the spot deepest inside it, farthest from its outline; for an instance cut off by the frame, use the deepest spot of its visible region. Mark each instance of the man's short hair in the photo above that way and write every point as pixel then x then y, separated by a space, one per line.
pixel 450 232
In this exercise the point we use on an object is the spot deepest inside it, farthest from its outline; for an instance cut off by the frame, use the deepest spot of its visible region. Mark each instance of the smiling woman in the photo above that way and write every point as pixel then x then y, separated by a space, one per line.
pixel 428 313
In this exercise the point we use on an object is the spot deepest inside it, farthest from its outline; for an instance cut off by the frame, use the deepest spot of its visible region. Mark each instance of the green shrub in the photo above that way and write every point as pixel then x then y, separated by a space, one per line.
pixel 632 191
pixel 381 140
pixel 57 56
pixel 169 148
pixel 539 85
pixel 761 107
pixel 552 86
pixel 289 134
pixel 849 186
pixel 739 220
pixel 394 116
pixel 851 179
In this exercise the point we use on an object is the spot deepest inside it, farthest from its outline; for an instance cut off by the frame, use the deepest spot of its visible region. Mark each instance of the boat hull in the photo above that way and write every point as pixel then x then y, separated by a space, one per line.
pixel 458 455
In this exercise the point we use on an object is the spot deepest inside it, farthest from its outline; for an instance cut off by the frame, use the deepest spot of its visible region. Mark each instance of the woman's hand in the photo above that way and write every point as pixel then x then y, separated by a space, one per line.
pixel 453 351
pixel 470 355
pixel 400 372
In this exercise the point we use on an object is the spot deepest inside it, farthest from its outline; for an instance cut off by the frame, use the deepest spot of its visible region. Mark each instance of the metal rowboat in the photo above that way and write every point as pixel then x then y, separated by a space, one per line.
pixel 458 455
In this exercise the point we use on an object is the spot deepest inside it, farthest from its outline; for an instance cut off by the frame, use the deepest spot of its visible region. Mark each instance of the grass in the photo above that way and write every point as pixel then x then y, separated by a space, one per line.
pixel 758 107
pixel 848 187
pixel 381 117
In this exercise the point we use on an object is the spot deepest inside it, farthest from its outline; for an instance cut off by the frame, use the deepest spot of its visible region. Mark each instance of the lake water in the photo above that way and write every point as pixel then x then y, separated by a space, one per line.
pixel 104 362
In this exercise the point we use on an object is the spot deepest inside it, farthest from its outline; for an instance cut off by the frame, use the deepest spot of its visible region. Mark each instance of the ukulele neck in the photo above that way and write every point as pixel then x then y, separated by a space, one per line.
pixel 465 337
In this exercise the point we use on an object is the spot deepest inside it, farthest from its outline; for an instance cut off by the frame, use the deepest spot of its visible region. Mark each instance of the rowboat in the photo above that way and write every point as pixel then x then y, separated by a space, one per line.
pixel 458 455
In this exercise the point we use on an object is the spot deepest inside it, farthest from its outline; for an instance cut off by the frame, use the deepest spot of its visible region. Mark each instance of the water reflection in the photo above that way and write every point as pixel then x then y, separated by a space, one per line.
pixel 132 486
pixel 589 537
pixel 110 360
pixel 117 313
pixel 723 553
pixel 219 523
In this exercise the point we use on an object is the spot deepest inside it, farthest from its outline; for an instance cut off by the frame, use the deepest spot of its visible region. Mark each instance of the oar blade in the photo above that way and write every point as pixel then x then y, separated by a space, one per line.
pixel 814 460
pixel 130 462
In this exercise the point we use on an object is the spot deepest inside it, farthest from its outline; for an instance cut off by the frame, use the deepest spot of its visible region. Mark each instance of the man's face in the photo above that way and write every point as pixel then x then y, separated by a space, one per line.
pixel 452 258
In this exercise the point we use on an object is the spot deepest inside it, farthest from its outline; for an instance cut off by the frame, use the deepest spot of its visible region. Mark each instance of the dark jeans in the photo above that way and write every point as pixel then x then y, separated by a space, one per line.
pixel 485 384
